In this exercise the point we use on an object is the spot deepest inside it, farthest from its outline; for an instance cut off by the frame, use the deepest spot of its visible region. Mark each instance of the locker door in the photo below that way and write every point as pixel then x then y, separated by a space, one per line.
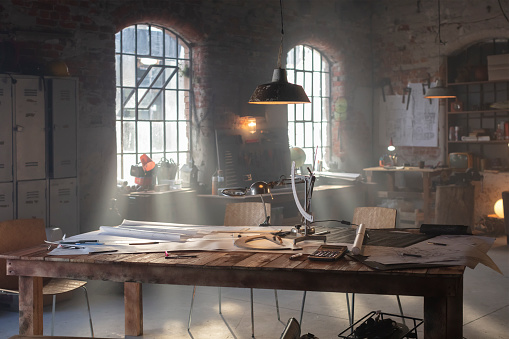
pixel 30 135
pixel 63 211
pixel 32 199
pixel 6 201
pixel 5 130
pixel 63 115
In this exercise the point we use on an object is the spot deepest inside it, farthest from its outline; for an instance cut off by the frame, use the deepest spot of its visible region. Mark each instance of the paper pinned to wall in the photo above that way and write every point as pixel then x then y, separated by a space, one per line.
pixel 415 126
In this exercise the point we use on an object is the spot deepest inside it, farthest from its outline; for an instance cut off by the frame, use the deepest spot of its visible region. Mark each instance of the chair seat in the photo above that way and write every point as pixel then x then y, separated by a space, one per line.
pixel 59 286
pixel 55 286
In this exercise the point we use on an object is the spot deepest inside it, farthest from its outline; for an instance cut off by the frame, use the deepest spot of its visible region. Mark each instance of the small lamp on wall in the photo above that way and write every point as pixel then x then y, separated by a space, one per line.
pixel 251 125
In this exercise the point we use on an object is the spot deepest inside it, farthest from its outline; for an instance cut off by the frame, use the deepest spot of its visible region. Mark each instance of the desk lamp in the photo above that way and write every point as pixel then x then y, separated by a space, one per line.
pixel 308 231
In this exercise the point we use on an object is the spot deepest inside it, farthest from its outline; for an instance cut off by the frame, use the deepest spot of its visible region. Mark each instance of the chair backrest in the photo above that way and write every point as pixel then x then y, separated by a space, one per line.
pixel 375 217
pixel 15 235
pixel 245 213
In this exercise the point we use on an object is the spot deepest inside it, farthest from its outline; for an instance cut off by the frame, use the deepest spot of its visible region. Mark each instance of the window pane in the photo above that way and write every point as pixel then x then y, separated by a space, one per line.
pixel 308 59
pixel 299 62
pixel 291 113
pixel 171 105
pixel 143 43
pixel 290 60
pixel 317 129
pixel 184 75
pixel 128 70
pixel 308 112
pixel 291 77
pixel 118 104
pixel 117 42
pixel 171 137
pixel 128 40
pixel 182 105
pixel 117 68
pixel 129 159
pixel 129 137
pixel 156 109
pixel 118 128
pixel 157 137
pixel 156 41
pixel 143 137
pixel 317 110
pixel 170 48
pixel 299 134
pixel 317 82
pixel 299 112
pixel 308 135
pixel 183 136
pixel 317 61
pixel 308 82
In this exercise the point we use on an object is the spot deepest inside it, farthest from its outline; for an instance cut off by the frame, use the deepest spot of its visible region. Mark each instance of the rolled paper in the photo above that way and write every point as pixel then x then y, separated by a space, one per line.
pixel 359 239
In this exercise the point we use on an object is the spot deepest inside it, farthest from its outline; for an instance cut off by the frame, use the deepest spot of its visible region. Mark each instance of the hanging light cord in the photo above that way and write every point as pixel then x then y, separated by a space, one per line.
pixel 282 34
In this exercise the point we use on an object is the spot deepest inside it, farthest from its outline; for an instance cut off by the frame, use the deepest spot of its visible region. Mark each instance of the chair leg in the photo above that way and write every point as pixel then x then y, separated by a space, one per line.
pixel 220 312
pixel 89 313
pixel 252 314
pixel 349 310
pixel 353 307
pixel 191 309
pixel 400 309
pixel 53 314
pixel 277 305
pixel 302 307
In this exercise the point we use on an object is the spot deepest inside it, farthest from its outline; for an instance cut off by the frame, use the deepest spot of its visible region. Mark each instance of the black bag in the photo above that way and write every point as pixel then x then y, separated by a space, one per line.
pixel 137 171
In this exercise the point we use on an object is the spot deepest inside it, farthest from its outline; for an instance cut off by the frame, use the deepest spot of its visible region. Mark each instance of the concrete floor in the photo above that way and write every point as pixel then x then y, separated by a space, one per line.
pixel 166 308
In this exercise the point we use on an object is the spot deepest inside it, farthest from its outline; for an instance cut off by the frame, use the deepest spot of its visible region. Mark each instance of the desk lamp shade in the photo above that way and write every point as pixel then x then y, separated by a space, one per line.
pixel 279 91
pixel 259 187
pixel 147 163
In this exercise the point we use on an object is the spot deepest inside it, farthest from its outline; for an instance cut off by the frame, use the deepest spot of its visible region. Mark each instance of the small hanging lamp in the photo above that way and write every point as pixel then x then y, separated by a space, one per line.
pixel 279 91
pixel 439 91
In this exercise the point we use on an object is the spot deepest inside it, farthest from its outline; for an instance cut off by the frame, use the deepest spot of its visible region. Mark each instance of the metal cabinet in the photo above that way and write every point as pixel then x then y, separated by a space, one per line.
pixel 5 130
pixel 38 150
pixel 30 124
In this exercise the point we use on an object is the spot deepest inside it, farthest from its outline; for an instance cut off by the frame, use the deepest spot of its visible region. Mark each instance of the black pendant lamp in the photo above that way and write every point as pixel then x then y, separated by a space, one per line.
pixel 279 91
pixel 439 91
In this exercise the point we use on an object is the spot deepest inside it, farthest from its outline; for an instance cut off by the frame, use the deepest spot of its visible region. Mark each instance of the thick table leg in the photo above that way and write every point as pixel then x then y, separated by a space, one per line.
pixel 30 306
pixel 443 317
pixel 133 304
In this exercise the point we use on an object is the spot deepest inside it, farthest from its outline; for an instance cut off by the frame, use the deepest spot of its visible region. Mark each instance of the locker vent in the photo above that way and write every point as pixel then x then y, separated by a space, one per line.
pixel 65 95
pixel 32 164
pixel 32 197
pixel 30 92
pixel 2 198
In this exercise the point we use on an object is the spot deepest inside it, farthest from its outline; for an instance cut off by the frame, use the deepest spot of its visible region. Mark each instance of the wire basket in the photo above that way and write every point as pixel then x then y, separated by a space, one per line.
pixel 400 330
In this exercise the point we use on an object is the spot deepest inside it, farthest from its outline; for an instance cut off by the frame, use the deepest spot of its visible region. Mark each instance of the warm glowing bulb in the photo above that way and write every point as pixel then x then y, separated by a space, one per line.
pixel 499 208
pixel 251 125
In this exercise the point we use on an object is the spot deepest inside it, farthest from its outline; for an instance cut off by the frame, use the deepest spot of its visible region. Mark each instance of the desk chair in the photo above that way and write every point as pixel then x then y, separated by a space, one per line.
pixel 25 233
pixel 242 214
pixel 372 218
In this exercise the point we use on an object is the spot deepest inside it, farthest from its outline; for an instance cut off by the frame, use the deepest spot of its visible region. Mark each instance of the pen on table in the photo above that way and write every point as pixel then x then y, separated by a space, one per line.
pixel 145 243
pixel 411 255
pixel 81 242
pixel 436 243
pixel 180 256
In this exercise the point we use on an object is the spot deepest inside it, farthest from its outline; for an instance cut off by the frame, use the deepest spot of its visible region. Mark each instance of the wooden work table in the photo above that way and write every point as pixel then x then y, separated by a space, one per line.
pixel 385 179
pixel 442 288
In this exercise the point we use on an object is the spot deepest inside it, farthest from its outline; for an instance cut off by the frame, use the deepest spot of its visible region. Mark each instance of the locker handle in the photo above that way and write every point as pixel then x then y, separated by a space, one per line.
pixel 19 128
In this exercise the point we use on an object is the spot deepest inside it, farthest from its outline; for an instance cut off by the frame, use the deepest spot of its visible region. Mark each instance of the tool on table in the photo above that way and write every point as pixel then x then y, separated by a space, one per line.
pixel 328 252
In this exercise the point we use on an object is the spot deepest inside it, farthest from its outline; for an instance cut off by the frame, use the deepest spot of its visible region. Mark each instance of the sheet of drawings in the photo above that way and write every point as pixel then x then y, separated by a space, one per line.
pixel 409 120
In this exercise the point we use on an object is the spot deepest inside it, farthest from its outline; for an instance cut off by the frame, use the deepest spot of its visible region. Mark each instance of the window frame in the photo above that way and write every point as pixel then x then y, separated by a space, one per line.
pixel 301 76
pixel 178 64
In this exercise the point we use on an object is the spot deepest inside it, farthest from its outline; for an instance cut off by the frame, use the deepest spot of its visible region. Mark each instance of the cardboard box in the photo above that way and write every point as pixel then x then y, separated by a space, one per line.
pixel 498 67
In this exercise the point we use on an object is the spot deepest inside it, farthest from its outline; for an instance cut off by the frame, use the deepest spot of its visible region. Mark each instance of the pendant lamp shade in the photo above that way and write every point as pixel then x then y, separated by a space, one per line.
pixel 439 92
pixel 279 91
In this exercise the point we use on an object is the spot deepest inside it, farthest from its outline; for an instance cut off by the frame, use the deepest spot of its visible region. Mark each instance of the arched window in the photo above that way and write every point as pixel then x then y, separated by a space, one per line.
pixel 309 124
pixel 153 96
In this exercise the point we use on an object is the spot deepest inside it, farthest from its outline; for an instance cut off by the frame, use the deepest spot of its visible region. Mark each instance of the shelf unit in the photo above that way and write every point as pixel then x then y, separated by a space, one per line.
pixel 468 75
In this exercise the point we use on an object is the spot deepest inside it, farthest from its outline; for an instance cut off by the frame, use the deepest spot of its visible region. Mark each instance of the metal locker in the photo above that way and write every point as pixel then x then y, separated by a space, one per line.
pixel 63 210
pixel 63 114
pixel 31 199
pixel 29 120
pixel 6 201
pixel 5 129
